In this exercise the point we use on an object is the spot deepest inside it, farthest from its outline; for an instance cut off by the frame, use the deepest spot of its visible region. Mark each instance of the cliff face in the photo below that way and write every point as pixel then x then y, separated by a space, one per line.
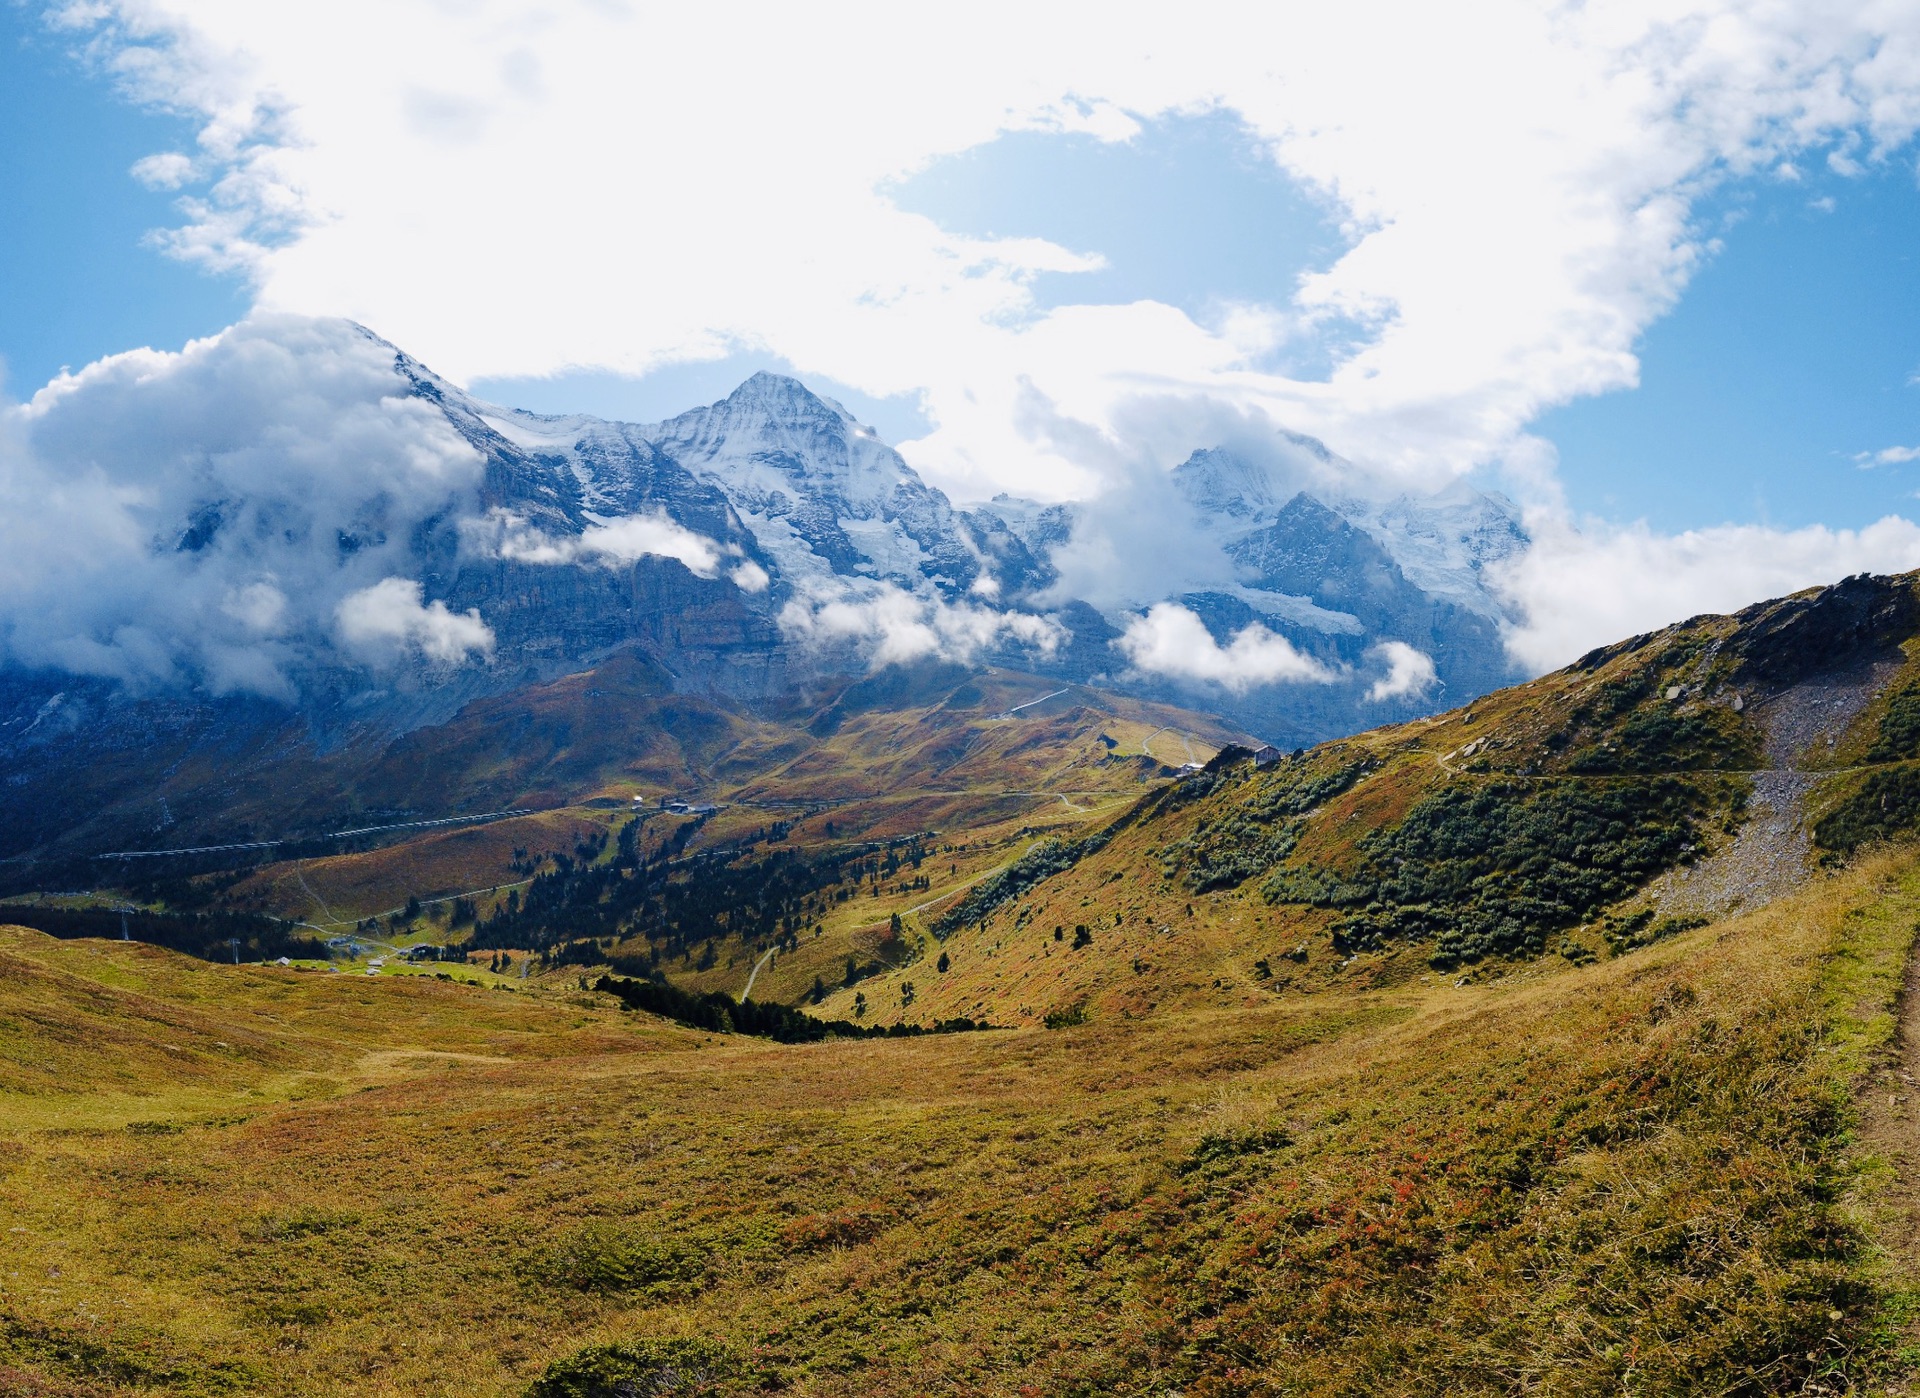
pixel 803 506
pixel 747 551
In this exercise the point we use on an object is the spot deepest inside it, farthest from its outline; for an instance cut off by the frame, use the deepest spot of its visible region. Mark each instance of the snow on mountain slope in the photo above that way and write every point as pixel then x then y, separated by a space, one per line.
pixel 823 494
pixel 855 549
pixel 1441 542
pixel 760 542
pixel 830 505
pixel 1445 542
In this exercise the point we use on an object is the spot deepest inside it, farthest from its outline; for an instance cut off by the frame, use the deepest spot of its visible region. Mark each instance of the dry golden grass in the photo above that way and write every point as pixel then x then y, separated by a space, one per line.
pixel 1629 1177
pixel 338 890
pixel 950 765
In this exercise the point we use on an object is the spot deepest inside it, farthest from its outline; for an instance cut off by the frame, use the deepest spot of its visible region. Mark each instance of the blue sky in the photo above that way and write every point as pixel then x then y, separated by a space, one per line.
pixel 76 281
pixel 1189 212
pixel 1791 356
pixel 1051 267
pixel 1793 353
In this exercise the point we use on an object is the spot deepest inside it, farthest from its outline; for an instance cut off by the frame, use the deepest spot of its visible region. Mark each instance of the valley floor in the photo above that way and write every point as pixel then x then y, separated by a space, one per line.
pixel 1680 1171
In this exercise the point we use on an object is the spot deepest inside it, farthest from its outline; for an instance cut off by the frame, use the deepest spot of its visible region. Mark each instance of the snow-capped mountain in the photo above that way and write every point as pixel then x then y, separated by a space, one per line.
pixel 804 541
pixel 749 547
pixel 1443 543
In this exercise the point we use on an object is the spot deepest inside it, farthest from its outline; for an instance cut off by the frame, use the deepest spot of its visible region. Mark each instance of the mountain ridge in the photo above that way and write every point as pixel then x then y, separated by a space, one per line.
pixel 751 551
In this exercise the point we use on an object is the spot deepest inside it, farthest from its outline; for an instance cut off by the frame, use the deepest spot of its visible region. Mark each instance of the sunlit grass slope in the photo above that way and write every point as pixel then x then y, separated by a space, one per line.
pixel 1533 821
pixel 1635 1176
pixel 940 749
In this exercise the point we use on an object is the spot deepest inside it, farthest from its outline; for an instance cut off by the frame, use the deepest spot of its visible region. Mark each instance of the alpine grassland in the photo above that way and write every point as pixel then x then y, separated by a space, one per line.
pixel 1643 1175
pixel 1553 1046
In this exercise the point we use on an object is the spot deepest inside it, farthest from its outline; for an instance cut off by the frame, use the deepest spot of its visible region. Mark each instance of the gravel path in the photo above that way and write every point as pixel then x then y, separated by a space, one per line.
pixel 1769 855
pixel 1808 716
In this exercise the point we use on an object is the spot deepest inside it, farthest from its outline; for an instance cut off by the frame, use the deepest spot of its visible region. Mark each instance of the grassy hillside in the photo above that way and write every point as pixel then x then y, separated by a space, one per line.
pixel 1580 814
pixel 620 728
pixel 940 748
pixel 1550 1046
pixel 1634 1176
pixel 968 766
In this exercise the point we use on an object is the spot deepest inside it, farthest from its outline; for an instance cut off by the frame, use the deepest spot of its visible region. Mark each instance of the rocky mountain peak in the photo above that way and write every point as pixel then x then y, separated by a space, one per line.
pixel 774 434
pixel 1224 484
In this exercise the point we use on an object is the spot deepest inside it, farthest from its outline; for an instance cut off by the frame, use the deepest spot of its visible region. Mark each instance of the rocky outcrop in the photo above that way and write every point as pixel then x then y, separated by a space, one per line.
pixel 694 544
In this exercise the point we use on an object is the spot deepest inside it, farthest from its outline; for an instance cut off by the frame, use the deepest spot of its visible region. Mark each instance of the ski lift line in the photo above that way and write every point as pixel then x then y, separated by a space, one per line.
pixel 423 824
pixel 1041 700
pixel 424 902
pixel 329 835
pixel 197 849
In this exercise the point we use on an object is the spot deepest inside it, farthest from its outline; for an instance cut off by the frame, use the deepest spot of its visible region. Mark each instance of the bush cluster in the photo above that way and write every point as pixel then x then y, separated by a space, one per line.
pixel 639 1369
pixel 1261 830
pixel 719 1013
pixel 1035 867
pixel 1496 868
pixel 1899 735
pixel 1885 805
pixel 1657 738
pixel 603 1257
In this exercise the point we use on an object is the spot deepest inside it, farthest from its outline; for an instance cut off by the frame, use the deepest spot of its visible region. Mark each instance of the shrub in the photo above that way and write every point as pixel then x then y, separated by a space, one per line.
pixel 1887 804
pixel 1067 1016
pixel 639 1369
pixel 1259 833
pixel 1639 929
pixel 1495 868
pixel 605 1257
pixel 1899 735
pixel 1658 739
pixel 817 1232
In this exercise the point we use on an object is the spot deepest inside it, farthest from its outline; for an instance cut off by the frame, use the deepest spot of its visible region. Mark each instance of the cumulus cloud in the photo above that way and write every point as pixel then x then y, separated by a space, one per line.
pixel 1170 640
pixel 888 625
pixel 1575 590
pixel 164 170
pixel 388 622
pixel 633 537
pixel 625 539
pixel 749 576
pixel 1409 672
pixel 1502 265
pixel 1887 456
pixel 203 516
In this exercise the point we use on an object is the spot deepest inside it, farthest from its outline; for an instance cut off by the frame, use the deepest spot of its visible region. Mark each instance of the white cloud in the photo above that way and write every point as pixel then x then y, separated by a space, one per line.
pixel 1170 640
pixel 202 516
pixel 1886 456
pixel 387 622
pixel 632 537
pixel 887 625
pixel 1504 264
pixel 260 607
pixel 1409 672
pixel 502 534
pixel 1578 590
pixel 165 170
pixel 1517 178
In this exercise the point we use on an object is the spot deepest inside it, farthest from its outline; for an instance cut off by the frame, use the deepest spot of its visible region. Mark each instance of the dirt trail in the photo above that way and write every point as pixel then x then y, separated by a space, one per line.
pixel 1889 1132
pixel 1768 856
